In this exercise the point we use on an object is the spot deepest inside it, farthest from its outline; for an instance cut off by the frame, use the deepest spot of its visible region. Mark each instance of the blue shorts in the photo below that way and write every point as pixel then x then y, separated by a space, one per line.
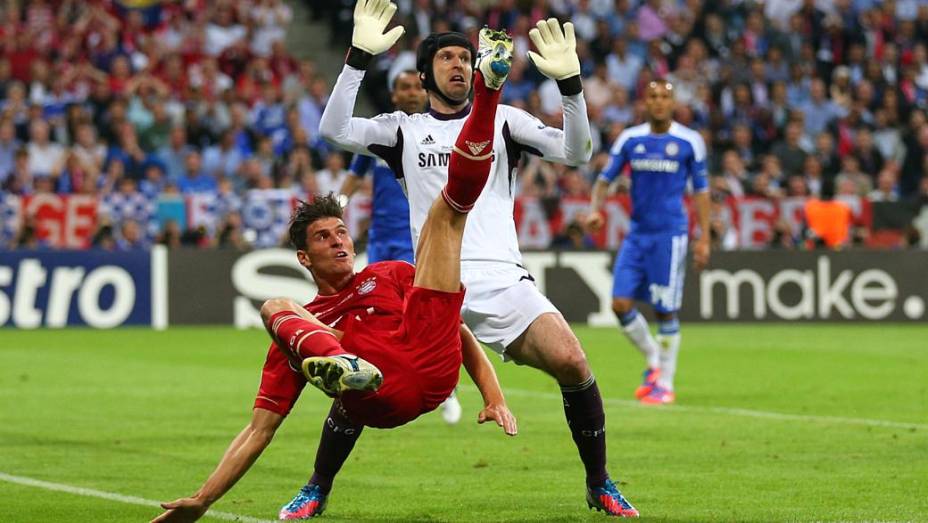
pixel 650 268
pixel 389 251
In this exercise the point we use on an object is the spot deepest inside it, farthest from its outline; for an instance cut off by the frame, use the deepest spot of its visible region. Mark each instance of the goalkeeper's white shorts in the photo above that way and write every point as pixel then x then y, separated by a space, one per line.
pixel 500 303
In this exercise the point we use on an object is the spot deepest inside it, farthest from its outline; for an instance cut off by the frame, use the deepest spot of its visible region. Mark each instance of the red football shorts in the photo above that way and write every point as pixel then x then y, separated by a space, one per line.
pixel 420 360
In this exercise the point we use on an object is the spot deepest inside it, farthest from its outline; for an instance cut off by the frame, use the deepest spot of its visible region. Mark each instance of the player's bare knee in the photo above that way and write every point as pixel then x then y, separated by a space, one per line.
pixel 567 360
pixel 621 306
pixel 571 366
pixel 273 306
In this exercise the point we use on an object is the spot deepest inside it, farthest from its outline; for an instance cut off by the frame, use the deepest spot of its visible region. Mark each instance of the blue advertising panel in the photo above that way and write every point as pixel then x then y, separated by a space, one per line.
pixel 101 289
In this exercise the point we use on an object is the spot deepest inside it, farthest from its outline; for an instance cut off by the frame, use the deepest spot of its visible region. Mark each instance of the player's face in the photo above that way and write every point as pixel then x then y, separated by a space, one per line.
pixel 453 72
pixel 408 94
pixel 659 102
pixel 329 248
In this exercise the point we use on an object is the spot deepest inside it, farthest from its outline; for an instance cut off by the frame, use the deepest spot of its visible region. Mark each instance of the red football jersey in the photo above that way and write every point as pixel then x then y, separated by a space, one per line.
pixel 375 295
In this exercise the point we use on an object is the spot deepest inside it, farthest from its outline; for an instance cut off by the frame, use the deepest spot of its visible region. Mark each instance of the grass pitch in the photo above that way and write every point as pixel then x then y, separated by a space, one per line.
pixel 773 423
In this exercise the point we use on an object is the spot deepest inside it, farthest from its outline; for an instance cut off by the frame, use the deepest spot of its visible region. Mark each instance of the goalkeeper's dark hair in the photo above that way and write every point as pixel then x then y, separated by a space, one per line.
pixel 306 213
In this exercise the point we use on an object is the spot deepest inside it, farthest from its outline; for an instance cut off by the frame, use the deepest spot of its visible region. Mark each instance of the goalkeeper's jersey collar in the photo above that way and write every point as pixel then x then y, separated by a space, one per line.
pixel 453 116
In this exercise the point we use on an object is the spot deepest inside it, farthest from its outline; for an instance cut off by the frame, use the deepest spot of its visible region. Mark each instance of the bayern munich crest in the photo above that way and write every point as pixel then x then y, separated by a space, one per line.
pixel 367 286
pixel 672 149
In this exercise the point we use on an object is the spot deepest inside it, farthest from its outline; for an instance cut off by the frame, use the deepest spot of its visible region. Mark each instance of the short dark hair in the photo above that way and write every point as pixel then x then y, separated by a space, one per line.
pixel 308 212
pixel 401 73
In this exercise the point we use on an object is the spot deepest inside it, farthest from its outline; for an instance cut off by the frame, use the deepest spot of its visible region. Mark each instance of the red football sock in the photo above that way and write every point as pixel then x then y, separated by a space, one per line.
pixel 472 155
pixel 302 337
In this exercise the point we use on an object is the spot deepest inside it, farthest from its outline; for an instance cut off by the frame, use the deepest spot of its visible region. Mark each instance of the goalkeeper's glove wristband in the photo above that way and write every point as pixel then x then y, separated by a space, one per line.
pixel 358 58
pixel 570 86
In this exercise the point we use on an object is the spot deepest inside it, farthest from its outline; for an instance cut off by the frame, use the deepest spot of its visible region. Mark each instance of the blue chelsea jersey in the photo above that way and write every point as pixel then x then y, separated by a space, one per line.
pixel 389 208
pixel 661 165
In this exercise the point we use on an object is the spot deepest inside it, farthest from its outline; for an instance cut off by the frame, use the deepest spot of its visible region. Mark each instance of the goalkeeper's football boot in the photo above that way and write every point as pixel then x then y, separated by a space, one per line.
pixel 648 382
pixel 309 502
pixel 494 57
pixel 608 499
pixel 337 374
pixel 659 396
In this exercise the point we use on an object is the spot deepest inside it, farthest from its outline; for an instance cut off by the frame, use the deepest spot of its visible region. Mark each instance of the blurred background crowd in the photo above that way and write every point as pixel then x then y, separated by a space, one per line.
pixel 163 113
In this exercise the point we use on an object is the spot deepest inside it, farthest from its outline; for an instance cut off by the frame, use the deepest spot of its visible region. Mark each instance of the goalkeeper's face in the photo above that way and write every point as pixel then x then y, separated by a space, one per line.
pixel 659 101
pixel 452 70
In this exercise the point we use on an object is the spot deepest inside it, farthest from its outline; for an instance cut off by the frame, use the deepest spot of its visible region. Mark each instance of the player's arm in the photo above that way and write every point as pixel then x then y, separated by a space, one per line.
pixel 359 167
pixel 241 454
pixel 337 125
pixel 480 369
pixel 700 180
pixel 557 59
pixel 596 218
pixel 701 248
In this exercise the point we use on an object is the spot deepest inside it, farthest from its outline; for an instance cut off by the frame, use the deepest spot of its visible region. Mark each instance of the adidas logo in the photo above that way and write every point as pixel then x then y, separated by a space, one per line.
pixel 640 148
pixel 477 147
pixel 428 140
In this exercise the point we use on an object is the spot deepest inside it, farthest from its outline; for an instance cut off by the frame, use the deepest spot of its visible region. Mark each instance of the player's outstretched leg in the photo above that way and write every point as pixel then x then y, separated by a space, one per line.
pixel 438 256
pixel 315 348
pixel 472 154
pixel 495 57
pixel 337 374
pixel 339 435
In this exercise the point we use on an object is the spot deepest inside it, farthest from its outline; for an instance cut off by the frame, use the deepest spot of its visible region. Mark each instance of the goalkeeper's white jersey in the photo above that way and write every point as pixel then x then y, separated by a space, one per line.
pixel 418 148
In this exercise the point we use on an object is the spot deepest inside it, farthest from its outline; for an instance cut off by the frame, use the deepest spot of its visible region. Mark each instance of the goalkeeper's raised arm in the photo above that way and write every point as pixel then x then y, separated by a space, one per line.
pixel 557 59
pixel 369 38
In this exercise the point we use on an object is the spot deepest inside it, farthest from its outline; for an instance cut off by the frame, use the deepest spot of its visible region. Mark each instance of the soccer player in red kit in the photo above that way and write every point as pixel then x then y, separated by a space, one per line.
pixel 385 342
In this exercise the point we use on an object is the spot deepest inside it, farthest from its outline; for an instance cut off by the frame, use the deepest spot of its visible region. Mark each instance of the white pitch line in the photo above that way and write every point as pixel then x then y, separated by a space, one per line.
pixel 112 496
pixel 731 411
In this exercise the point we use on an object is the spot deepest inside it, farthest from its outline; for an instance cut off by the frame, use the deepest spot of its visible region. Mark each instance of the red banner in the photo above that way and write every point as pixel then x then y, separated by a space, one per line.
pixel 70 221
pixel 67 222
pixel 752 220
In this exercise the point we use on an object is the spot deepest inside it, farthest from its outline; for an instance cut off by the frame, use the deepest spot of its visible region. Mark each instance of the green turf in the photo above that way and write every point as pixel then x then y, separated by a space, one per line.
pixel 148 414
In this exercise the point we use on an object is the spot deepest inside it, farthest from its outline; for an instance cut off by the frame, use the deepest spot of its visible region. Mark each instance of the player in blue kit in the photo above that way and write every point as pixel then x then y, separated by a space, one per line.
pixel 663 157
pixel 388 237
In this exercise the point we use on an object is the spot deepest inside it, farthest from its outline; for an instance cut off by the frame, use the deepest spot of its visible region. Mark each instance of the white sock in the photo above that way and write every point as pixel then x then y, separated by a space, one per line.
pixel 670 348
pixel 638 333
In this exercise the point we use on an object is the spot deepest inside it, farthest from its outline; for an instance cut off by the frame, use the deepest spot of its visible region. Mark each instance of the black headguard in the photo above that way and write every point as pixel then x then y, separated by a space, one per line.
pixel 426 54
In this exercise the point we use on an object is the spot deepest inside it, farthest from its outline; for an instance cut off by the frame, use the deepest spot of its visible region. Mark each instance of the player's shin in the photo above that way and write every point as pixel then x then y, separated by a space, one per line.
pixel 302 338
pixel 635 328
pixel 668 337
pixel 472 154
pixel 583 408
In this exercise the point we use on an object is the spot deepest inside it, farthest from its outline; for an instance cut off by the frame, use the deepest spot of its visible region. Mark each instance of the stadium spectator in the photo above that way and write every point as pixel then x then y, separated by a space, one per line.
pixel 195 179
pixel 9 144
pixel 886 187
pixel 333 176
pixel 789 152
pixel 915 166
pixel 828 220
pixel 46 158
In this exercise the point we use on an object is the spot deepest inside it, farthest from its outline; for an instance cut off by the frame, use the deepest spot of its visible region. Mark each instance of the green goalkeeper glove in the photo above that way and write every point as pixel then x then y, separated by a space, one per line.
pixel 557 51
pixel 370 20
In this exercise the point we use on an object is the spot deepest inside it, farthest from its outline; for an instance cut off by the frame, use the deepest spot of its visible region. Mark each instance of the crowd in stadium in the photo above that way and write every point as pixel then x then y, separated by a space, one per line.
pixel 176 99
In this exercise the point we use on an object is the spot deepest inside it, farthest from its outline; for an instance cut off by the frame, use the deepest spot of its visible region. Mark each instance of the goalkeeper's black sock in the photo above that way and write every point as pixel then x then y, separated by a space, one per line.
pixel 583 408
